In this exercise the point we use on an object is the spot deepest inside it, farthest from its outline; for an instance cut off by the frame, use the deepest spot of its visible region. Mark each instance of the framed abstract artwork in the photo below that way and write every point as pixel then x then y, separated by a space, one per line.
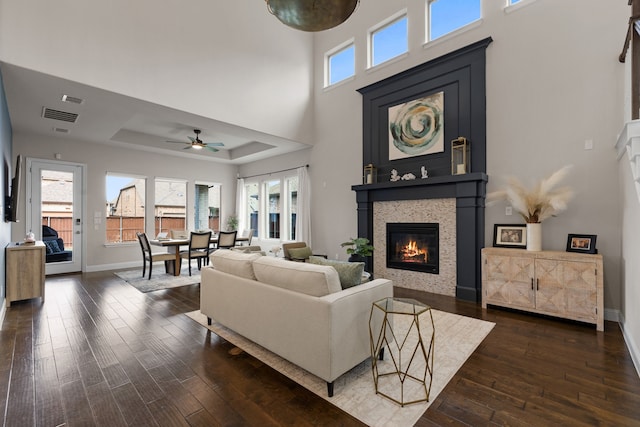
pixel 416 128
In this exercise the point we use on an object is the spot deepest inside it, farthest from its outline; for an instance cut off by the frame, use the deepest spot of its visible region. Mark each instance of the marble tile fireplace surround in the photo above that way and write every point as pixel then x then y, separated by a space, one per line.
pixel 455 203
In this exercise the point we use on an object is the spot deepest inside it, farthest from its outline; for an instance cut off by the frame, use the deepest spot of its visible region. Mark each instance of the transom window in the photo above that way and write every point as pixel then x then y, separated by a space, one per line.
pixel 446 16
pixel 389 39
pixel 340 63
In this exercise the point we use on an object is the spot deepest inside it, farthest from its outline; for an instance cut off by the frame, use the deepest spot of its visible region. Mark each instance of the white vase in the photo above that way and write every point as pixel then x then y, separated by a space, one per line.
pixel 534 236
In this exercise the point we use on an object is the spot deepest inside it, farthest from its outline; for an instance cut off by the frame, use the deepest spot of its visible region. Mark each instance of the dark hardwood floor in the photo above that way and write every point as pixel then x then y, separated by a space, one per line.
pixel 98 352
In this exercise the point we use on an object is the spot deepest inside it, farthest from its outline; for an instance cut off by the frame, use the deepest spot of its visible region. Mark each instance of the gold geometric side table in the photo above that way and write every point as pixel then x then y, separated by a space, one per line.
pixel 406 376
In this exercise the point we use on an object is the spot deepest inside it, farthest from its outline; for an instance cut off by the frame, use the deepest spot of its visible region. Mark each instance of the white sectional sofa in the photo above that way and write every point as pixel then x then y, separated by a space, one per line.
pixel 296 310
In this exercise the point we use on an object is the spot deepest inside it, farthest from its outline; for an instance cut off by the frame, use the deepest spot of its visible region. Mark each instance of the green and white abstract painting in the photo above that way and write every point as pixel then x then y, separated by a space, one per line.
pixel 416 128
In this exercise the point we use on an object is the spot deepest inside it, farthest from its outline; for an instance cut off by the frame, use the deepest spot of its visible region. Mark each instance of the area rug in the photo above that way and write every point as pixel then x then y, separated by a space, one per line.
pixel 456 337
pixel 159 279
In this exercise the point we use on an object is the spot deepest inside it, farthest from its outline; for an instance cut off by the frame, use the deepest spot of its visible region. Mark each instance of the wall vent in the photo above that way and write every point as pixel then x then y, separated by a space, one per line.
pixel 64 116
pixel 72 99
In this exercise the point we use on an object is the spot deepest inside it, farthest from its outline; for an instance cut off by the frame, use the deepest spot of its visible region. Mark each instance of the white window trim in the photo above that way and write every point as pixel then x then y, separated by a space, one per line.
pixel 390 20
pixel 453 34
pixel 327 62
pixel 146 196
pixel 427 26
pixel 263 203
pixel 517 6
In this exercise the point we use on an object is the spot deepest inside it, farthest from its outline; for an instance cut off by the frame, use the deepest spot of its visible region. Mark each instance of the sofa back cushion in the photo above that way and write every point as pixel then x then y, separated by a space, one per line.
pixel 350 273
pixel 310 279
pixel 235 262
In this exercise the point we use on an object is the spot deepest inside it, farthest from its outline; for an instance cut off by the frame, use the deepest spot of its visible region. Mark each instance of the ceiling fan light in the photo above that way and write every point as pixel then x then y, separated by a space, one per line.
pixel 318 15
pixel 196 147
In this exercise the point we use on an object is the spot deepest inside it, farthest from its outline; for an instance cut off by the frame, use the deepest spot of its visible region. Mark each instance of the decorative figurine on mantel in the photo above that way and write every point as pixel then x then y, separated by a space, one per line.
pixel 423 173
pixel 408 177
pixel 394 175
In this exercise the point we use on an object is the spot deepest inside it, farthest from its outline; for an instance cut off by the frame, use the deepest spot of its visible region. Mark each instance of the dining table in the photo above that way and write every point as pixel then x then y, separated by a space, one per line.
pixel 173 246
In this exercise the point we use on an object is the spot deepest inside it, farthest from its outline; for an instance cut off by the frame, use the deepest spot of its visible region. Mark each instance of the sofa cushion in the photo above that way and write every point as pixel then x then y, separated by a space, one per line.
pixel 310 279
pixel 52 246
pixel 234 262
pixel 300 253
pixel 350 273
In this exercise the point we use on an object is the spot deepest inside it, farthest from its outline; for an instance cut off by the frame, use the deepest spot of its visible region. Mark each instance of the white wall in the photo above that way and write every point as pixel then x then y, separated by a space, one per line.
pixel 100 159
pixel 553 81
pixel 231 61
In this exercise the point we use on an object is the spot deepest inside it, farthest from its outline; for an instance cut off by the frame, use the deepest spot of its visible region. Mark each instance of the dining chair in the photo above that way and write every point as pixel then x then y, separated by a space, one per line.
pixel 249 235
pixel 226 239
pixel 147 255
pixel 199 248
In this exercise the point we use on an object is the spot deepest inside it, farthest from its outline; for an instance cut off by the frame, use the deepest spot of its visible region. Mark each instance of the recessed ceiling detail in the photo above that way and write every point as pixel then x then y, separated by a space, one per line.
pixel 60 130
pixel 64 116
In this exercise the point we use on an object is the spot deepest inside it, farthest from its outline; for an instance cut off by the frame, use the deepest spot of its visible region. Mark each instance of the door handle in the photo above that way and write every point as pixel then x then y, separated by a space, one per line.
pixel 532 283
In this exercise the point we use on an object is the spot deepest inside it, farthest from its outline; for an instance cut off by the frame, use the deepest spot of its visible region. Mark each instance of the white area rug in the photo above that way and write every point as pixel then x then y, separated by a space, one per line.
pixel 456 337
pixel 159 279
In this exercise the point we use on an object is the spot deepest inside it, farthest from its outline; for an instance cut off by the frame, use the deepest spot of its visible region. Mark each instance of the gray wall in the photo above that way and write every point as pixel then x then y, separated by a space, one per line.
pixel 553 81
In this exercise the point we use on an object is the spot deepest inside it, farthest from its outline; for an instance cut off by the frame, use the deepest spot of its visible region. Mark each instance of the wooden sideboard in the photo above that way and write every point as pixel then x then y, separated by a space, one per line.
pixel 561 284
pixel 25 271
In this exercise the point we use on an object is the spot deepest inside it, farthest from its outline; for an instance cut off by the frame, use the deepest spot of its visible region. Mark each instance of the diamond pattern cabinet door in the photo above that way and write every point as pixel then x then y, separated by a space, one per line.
pixel 508 281
pixel 580 279
pixel 521 292
pixel 550 290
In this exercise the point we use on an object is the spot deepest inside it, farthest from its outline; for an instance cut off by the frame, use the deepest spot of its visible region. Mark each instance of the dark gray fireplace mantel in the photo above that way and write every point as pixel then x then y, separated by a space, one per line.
pixel 469 190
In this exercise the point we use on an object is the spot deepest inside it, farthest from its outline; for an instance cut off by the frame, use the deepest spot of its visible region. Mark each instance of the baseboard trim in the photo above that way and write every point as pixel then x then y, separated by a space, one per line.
pixel 118 266
pixel 612 314
pixel 634 350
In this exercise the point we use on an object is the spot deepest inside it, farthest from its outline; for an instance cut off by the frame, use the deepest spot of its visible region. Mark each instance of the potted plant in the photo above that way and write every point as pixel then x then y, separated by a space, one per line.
pixel 536 204
pixel 232 223
pixel 358 249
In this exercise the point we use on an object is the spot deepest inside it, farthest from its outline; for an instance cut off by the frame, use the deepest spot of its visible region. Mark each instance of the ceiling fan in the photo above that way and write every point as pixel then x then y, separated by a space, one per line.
pixel 197 144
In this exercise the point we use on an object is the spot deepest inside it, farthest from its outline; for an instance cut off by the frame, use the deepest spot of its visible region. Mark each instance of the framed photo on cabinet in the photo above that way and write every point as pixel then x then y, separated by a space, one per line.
pixel 510 236
pixel 585 243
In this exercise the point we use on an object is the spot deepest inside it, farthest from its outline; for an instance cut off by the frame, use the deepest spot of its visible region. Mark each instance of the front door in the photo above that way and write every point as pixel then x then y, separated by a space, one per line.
pixel 54 212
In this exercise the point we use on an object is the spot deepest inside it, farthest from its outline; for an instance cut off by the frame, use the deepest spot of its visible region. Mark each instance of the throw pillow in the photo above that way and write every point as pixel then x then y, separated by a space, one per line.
pixel 52 246
pixel 350 273
pixel 300 253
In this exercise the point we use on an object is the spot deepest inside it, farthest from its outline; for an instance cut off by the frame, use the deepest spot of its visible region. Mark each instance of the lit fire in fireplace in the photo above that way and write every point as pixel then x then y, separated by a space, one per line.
pixel 412 253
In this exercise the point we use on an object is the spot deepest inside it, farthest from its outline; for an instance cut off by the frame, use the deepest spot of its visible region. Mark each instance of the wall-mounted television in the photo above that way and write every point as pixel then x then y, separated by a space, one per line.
pixel 12 201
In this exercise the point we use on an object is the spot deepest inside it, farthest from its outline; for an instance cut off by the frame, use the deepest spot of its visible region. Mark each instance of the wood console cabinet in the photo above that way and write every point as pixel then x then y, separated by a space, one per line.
pixel 562 284
pixel 25 271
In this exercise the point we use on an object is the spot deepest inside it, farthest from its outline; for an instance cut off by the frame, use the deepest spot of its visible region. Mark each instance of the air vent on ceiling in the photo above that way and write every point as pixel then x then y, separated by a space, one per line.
pixel 61 130
pixel 64 116
pixel 72 99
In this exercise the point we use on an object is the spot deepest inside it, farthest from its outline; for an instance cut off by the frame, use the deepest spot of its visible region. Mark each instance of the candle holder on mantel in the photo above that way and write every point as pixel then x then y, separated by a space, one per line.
pixel 460 156
pixel 370 174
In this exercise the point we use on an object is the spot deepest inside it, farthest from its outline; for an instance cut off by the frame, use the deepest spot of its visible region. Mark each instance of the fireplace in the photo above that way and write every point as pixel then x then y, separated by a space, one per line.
pixel 413 246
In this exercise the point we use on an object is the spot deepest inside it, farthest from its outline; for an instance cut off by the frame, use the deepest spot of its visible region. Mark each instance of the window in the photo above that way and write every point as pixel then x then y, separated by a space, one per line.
pixel 125 208
pixel 170 211
pixel 388 40
pixel 446 16
pixel 273 190
pixel 340 64
pixel 252 201
pixel 510 2
pixel 292 206
pixel 271 206
pixel 207 207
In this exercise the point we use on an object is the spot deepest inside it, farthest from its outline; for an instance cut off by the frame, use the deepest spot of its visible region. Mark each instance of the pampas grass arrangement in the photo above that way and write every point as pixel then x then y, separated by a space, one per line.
pixel 540 202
